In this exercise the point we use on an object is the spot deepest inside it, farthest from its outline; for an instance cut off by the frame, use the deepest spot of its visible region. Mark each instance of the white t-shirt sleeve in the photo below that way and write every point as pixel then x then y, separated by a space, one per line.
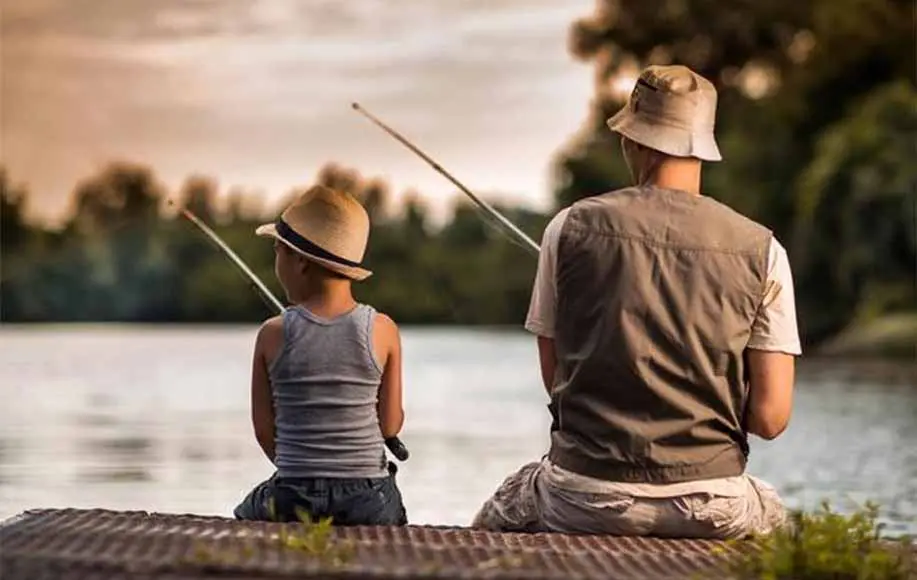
pixel 540 319
pixel 775 328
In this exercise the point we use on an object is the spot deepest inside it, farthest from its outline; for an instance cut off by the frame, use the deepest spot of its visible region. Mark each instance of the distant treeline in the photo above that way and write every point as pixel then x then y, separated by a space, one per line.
pixel 817 123
pixel 122 256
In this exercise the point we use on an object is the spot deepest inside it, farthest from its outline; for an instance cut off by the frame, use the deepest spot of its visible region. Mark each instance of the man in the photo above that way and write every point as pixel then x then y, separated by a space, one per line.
pixel 667 333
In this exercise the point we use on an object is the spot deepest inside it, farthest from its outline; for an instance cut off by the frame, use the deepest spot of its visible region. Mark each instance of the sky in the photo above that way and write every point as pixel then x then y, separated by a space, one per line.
pixel 257 93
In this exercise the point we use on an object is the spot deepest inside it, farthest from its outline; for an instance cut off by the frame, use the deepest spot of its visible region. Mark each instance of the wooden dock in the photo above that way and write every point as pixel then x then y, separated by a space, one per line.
pixel 97 544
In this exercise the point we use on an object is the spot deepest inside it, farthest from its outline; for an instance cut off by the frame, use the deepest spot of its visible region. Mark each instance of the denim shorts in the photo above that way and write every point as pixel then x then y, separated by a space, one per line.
pixel 349 502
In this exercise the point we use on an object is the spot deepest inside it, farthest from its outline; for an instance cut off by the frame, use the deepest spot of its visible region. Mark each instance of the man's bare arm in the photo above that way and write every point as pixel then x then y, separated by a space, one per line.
pixel 770 403
pixel 548 357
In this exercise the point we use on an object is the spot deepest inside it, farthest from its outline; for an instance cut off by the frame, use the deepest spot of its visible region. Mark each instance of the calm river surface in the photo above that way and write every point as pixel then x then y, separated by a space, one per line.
pixel 156 418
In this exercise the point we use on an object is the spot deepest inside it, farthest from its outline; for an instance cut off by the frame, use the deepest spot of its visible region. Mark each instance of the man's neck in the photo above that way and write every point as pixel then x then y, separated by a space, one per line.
pixel 673 174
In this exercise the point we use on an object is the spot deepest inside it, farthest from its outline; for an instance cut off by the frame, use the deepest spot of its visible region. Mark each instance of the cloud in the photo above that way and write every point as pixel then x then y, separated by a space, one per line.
pixel 262 87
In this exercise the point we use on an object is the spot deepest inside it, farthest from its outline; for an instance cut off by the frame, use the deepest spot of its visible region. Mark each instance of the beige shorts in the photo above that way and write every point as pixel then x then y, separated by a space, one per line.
pixel 530 501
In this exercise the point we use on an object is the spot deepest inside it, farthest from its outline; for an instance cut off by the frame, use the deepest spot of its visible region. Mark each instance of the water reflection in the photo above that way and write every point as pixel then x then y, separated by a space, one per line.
pixel 853 372
pixel 117 455
pixel 114 474
pixel 6 458
pixel 195 452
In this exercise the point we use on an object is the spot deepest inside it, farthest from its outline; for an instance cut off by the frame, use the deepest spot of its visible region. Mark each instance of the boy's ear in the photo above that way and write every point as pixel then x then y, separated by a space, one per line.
pixel 303 264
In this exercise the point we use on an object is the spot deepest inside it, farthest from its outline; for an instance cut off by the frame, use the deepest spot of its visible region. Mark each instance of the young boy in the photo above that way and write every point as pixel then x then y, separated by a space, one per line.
pixel 326 376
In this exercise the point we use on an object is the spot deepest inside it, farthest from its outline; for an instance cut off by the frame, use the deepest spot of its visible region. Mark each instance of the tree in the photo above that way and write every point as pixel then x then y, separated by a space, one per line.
pixel 199 195
pixel 13 228
pixel 114 223
pixel 855 212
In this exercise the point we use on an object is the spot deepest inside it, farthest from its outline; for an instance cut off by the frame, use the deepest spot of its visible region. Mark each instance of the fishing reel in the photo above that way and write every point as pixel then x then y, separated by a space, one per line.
pixel 397 448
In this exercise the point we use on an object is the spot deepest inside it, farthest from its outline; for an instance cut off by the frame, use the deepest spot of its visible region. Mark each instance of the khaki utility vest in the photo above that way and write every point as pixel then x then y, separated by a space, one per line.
pixel 657 291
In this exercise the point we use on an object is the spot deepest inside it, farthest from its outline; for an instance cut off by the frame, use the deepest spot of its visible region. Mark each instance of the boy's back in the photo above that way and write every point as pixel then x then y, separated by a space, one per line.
pixel 325 381
pixel 326 375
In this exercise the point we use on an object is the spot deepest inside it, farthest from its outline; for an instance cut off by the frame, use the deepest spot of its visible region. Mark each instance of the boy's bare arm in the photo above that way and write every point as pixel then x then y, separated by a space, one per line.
pixel 387 342
pixel 267 346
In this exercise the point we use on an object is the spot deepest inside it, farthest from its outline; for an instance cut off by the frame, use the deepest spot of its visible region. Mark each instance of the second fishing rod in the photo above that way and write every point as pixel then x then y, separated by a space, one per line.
pixel 517 235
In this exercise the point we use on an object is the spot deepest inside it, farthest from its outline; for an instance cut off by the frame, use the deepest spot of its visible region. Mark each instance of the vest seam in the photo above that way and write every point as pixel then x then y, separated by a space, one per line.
pixel 652 242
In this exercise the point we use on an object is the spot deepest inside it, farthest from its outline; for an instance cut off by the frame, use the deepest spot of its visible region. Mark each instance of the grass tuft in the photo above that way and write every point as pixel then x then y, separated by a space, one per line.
pixel 824 545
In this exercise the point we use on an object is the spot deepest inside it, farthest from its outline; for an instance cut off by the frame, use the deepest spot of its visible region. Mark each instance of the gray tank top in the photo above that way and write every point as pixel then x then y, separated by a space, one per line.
pixel 325 384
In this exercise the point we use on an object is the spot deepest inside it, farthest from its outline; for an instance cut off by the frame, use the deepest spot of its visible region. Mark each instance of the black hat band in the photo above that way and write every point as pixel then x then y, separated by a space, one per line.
pixel 304 245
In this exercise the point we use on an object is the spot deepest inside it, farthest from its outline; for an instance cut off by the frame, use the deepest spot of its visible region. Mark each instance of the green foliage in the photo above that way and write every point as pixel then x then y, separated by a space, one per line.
pixel 306 538
pixel 315 538
pixel 312 537
pixel 855 220
pixel 120 258
pixel 824 545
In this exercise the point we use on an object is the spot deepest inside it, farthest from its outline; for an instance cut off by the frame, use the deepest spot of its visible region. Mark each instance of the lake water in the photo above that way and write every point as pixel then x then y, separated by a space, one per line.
pixel 156 418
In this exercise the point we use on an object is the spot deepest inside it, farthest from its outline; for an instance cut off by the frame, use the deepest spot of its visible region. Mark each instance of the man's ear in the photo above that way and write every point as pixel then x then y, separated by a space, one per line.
pixel 303 264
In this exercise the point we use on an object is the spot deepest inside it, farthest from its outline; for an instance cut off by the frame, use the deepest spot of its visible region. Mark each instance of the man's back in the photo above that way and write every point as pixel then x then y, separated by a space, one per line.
pixel 657 291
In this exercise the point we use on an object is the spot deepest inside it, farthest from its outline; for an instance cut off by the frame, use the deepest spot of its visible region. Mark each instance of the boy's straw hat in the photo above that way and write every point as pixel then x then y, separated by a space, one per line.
pixel 672 109
pixel 327 226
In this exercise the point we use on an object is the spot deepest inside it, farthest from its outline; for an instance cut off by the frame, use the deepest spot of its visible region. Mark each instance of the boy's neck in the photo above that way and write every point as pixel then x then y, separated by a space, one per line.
pixel 328 299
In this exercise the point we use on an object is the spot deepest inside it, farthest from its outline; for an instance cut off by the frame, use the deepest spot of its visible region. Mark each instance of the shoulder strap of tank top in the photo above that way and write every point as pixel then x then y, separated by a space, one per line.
pixel 367 320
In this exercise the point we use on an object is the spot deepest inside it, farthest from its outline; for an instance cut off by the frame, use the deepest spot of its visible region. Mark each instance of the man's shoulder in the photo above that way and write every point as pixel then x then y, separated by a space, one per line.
pixel 555 225
pixel 584 208
pixel 559 218
pixel 610 196
pixel 728 212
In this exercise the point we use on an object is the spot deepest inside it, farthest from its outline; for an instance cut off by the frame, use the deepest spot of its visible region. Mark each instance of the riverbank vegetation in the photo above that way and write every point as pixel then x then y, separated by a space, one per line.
pixel 825 545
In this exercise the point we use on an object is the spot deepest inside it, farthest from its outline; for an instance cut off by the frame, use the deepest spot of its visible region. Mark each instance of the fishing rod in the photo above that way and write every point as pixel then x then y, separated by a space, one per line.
pixel 394 444
pixel 527 242
pixel 231 255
